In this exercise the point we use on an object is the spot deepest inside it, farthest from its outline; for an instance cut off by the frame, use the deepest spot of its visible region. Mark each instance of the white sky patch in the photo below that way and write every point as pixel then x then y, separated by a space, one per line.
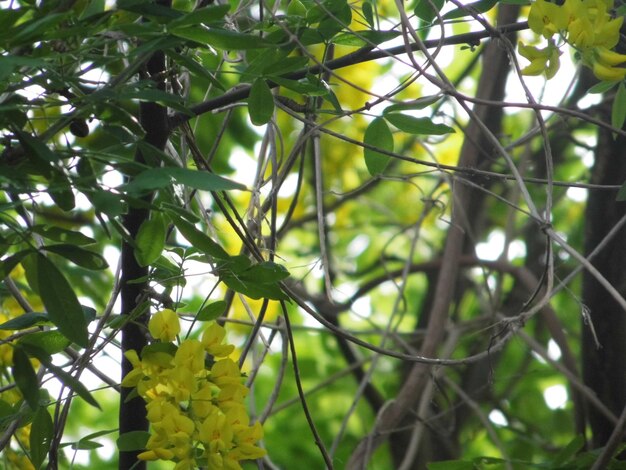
pixel 289 186
pixel 362 307
pixel 517 249
pixel 358 245
pixel 492 248
pixel 555 397
pixel 112 178
pixel 245 166
pixel 498 418
pixel 554 352
pixel 577 194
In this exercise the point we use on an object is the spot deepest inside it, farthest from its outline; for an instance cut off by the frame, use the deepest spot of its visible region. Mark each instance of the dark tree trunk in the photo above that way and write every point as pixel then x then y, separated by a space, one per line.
pixel 154 120
pixel 604 368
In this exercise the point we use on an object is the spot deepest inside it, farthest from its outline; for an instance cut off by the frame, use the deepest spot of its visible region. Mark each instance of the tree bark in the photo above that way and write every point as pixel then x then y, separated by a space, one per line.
pixel 154 120
pixel 604 367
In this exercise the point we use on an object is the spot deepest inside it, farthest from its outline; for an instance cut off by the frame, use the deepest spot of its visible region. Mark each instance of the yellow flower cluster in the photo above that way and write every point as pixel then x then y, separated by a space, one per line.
pixel 587 25
pixel 197 413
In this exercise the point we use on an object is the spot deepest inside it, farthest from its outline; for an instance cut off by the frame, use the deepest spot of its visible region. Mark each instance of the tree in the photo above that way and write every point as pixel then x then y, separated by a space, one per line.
pixel 352 235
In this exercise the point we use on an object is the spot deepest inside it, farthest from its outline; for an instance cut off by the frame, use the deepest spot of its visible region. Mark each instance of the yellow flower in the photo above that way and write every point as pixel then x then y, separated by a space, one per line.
pixel 164 325
pixel 607 73
pixel 225 372
pixel 212 341
pixel 182 383
pixel 215 433
pixel 156 454
pixel 190 355
pixel 202 400
pixel 547 18
pixel 542 61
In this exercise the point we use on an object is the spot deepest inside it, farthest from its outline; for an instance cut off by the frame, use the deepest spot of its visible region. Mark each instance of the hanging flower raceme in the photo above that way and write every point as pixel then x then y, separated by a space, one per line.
pixel 587 25
pixel 196 412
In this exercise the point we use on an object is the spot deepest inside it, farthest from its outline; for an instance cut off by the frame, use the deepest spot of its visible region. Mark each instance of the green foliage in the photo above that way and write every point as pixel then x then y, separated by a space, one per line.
pixel 288 219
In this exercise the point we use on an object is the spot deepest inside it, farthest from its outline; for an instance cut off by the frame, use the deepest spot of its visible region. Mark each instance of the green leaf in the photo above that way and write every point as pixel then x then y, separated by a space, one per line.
pixel 36 147
pixel 69 381
pixel 95 7
pixel 108 203
pixel 162 177
pixel 202 180
pixel 200 240
pixel 414 125
pixel 260 103
pixel 201 15
pixel 566 454
pixel 364 38
pixel 481 6
pixel 24 321
pixel 265 272
pixel 86 442
pixel 212 311
pixel 601 87
pixel 256 281
pixel 59 234
pixel 60 190
pixel 618 110
pixel 61 302
pixel 420 103
pixel 150 240
pixel 9 263
pixel 65 378
pixel 377 135
pixel 79 256
pixel 133 440
pixel 51 341
pixel 427 9
pixel 195 68
pixel 148 8
pixel 86 445
pixel 220 38
pixel 253 289
pixel 25 377
pixel 41 432
pixel 368 13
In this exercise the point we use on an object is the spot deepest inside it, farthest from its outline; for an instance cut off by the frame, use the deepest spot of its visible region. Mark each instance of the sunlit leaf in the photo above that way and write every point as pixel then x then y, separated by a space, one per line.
pixel 364 38
pixel 379 136
pixel 260 103
pixel 150 240
pixel 200 240
pixel 50 341
pixel 420 103
pixel 212 311
pixel 220 38
pixel 133 440
pixel 414 125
